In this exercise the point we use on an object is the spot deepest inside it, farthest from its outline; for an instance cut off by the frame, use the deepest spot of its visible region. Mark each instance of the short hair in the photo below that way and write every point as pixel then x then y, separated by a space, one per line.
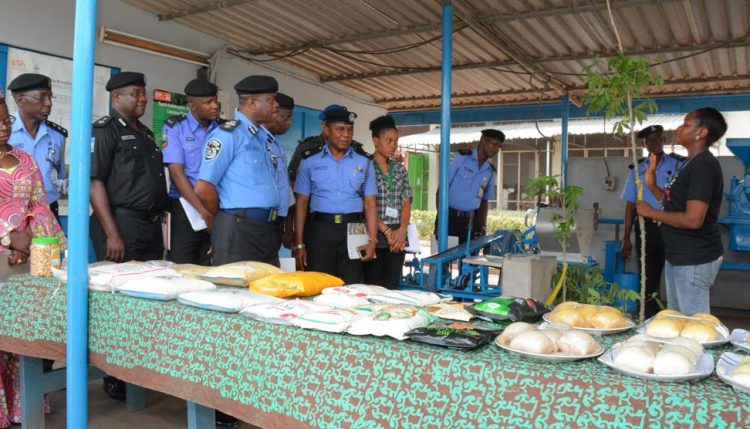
pixel 712 120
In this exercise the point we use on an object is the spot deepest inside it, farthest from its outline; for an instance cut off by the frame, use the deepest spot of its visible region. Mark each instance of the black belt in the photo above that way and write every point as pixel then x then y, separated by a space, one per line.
pixel 338 218
pixel 262 215
pixel 152 217
pixel 459 213
pixel 649 220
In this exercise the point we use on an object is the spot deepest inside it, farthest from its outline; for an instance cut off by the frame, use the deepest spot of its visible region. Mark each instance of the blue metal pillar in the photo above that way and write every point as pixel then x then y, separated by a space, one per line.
pixel 564 138
pixel 78 208
pixel 445 125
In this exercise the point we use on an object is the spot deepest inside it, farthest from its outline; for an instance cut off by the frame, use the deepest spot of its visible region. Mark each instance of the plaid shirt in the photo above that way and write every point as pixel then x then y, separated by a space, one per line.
pixel 400 192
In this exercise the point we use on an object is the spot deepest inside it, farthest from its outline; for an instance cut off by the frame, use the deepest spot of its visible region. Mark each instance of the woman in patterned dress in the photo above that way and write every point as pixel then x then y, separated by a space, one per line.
pixel 24 213
pixel 394 207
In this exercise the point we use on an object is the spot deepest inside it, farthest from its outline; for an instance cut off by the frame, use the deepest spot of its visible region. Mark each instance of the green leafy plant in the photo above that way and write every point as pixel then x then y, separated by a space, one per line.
pixel 586 285
pixel 563 221
pixel 613 91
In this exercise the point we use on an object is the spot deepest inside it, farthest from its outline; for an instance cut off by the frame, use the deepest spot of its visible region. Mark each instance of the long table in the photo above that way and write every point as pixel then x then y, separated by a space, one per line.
pixel 282 377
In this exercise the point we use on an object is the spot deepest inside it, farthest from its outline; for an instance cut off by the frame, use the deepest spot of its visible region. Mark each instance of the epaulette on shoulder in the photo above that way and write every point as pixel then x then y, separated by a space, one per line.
pixel 103 121
pixel 230 125
pixel 57 128
pixel 311 151
pixel 465 151
pixel 677 157
pixel 312 140
pixel 639 162
pixel 174 120
pixel 221 121
pixel 360 150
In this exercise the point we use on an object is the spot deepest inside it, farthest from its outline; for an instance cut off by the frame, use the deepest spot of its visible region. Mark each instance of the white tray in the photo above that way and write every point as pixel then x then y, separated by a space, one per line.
pixel 556 357
pixel 739 339
pixel 723 331
pixel 703 368
pixel 725 367
pixel 597 331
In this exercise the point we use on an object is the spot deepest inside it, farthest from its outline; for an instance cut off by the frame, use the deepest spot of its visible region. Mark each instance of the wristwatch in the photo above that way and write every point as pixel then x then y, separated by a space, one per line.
pixel 298 246
pixel 5 240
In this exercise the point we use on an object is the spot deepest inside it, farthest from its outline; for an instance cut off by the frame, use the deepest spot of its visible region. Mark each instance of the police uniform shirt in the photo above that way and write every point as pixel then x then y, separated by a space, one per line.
pixel 667 168
pixel 239 164
pixel 469 183
pixel 130 164
pixel 336 186
pixel 278 159
pixel 183 141
pixel 48 150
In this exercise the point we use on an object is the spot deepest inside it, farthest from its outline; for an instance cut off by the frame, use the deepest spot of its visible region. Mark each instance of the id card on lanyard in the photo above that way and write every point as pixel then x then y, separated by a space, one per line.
pixel 391 211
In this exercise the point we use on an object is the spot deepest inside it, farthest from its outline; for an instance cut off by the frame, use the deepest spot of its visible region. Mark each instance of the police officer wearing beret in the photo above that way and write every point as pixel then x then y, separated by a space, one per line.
pixel 42 138
pixel 280 124
pixel 471 184
pixel 238 181
pixel 666 167
pixel 128 187
pixel 184 138
pixel 336 182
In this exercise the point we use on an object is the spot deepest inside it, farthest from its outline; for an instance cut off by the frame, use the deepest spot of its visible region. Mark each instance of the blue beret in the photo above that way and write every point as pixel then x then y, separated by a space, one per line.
pixel 337 113
pixel 257 84
pixel 201 88
pixel 30 82
pixel 126 78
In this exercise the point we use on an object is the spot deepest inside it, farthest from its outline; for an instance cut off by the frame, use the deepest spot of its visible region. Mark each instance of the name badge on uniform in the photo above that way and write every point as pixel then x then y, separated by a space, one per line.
pixel 391 212
pixel 127 137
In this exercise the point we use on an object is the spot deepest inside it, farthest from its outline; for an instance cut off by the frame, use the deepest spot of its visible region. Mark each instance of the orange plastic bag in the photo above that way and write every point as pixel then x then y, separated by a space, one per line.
pixel 301 283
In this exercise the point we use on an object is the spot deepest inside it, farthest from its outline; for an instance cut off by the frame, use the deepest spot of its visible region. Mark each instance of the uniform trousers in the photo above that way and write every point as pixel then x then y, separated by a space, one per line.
pixel 327 252
pixel 458 224
pixel 188 246
pixel 238 238
pixel 654 261
pixel 140 231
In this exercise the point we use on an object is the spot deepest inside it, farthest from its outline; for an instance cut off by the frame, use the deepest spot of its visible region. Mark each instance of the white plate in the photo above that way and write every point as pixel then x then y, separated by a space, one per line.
pixel 597 331
pixel 725 367
pixel 723 331
pixel 557 357
pixel 739 339
pixel 703 368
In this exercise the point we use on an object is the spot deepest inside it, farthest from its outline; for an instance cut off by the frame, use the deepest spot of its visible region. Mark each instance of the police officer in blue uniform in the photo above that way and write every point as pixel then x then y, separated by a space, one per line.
pixel 33 133
pixel 336 182
pixel 668 164
pixel 183 139
pixel 471 184
pixel 238 182
pixel 281 123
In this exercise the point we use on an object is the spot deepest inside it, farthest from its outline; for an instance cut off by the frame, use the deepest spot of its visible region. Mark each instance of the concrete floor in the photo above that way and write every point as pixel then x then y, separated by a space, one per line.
pixel 161 412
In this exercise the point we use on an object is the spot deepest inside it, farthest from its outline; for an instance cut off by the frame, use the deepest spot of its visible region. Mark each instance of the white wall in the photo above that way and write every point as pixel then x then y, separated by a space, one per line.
pixel 47 26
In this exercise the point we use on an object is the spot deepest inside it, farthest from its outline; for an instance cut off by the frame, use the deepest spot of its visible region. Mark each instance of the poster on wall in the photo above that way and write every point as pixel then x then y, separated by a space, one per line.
pixel 166 104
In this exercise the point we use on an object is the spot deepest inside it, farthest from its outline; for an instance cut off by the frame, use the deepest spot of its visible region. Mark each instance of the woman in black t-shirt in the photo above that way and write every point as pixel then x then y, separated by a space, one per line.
pixel 691 200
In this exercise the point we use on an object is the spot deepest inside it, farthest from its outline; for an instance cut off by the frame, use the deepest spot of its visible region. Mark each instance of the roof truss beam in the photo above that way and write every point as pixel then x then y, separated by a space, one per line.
pixel 217 5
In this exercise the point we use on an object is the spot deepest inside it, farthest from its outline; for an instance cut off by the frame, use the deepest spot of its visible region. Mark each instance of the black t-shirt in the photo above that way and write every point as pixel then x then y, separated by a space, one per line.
pixel 130 164
pixel 700 179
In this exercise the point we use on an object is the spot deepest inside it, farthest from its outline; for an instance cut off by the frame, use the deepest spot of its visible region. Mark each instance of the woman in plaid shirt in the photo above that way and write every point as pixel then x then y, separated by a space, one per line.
pixel 394 206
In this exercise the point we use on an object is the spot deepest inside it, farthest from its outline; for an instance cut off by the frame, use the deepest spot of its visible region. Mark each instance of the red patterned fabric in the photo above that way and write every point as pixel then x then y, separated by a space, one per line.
pixel 10 390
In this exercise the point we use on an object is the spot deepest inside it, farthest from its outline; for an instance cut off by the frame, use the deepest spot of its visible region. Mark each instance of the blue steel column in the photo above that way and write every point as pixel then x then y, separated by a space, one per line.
pixel 445 125
pixel 564 162
pixel 78 214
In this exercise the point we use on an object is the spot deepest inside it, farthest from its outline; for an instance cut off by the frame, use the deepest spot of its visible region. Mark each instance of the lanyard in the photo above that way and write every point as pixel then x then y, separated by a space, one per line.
pixel 389 182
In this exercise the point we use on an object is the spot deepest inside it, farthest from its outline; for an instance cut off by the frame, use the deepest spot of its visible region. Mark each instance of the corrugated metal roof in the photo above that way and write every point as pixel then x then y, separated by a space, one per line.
pixel 390 50
pixel 528 130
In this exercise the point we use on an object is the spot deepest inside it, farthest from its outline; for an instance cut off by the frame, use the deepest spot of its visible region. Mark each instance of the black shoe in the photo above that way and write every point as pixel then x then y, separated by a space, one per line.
pixel 115 388
pixel 226 420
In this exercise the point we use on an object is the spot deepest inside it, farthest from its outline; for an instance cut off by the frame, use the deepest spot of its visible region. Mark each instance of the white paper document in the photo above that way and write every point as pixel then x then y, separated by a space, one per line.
pixel 412 239
pixel 356 237
pixel 195 218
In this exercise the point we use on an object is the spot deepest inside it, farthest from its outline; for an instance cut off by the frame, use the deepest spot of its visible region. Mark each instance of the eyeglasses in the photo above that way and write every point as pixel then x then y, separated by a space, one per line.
pixel 39 99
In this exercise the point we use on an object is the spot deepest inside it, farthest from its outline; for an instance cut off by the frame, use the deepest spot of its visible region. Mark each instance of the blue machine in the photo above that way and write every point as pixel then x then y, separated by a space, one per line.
pixel 739 199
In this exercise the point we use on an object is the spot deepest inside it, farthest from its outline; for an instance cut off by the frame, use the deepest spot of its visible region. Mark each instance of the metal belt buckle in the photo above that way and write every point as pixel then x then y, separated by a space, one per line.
pixel 338 218
pixel 273 215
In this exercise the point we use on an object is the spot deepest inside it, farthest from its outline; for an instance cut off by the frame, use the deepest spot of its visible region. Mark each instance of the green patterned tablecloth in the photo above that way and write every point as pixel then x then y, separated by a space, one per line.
pixel 285 377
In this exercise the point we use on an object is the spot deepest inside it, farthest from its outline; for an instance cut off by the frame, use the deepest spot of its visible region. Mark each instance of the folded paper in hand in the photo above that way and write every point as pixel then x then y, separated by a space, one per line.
pixel 195 218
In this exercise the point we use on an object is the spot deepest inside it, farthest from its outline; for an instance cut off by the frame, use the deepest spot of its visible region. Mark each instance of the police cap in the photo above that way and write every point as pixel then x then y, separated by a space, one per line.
pixel 653 129
pixel 494 134
pixel 126 78
pixel 257 84
pixel 201 88
pixel 381 123
pixel 30 82
pixel 337 113
pixel 285 101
